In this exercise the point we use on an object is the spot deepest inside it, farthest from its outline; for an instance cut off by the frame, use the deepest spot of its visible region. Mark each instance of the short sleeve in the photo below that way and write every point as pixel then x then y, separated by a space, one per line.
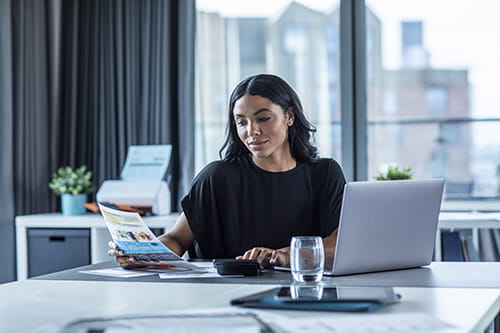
pixel 200 208
pixel 331 181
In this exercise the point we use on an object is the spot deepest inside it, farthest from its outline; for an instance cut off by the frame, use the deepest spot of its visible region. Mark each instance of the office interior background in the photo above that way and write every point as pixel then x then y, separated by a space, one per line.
pixel 384 81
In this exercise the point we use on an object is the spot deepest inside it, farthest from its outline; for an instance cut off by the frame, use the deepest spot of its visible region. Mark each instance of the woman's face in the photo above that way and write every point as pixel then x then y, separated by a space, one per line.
pixel 263 127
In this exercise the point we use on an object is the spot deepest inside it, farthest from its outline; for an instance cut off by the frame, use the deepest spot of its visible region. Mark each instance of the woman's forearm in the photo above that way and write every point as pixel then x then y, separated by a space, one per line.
pixel 329 244
pixel 180 238
pixel 173 244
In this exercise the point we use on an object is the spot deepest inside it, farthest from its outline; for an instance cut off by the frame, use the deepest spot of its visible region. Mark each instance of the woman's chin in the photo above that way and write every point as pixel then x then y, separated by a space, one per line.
pixel 259 154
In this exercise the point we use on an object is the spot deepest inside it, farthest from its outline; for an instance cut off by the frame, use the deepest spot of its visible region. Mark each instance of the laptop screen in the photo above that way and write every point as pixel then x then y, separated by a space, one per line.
pixel 387 225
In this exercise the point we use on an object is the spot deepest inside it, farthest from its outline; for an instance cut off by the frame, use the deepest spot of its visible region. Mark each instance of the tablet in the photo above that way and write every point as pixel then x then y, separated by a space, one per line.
pixel 296 293
pixel 319 298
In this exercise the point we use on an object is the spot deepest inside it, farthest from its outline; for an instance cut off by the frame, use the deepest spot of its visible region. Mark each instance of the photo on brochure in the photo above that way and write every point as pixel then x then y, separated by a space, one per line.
pixel 134 238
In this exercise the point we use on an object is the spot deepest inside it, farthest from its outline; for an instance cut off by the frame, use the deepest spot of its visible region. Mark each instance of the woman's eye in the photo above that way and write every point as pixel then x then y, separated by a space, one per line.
pixel 241 123
pixel 264 118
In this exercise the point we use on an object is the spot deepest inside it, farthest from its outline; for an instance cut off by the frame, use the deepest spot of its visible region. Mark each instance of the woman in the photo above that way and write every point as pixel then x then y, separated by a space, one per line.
pixel 269 187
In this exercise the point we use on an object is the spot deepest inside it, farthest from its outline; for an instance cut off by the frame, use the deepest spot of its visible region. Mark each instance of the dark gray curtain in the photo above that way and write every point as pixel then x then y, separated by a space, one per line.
pixel 6 150
pixel 27 91
pixel 115 54
pixel 128 68
pixel 35 111
pixel 183 127
pixel 87 79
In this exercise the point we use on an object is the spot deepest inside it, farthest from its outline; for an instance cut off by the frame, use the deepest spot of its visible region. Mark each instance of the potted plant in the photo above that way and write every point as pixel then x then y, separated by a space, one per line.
pixel 393 173
pixel 73 187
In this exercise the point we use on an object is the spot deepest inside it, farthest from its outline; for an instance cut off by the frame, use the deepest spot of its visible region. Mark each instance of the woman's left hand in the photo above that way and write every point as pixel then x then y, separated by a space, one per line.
pixel 269 257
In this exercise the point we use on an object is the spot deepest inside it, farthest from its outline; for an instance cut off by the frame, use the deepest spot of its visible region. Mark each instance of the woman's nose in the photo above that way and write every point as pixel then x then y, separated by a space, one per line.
pixel 253 130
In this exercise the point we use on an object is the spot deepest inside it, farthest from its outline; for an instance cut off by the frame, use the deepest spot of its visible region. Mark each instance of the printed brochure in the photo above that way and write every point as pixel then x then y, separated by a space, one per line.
pixel 134 238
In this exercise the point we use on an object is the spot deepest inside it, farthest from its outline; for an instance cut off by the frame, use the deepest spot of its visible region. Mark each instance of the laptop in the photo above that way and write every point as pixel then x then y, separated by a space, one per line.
pixel 387 225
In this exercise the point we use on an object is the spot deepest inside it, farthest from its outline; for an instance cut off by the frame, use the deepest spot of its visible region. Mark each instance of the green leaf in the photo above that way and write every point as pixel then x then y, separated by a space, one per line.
pixel 394 173
pixel 68 181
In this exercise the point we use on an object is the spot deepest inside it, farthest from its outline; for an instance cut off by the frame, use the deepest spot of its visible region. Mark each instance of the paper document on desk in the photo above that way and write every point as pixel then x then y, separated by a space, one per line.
pixel 210 272
pixel 117 272
pixel 134 238
pixel 382 322
pixel 206 321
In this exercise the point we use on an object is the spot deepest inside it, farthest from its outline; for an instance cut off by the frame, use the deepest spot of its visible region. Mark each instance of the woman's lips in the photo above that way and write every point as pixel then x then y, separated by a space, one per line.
pixel 257 145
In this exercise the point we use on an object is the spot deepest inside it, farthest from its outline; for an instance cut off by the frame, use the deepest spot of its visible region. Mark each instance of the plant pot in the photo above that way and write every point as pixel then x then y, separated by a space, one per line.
pixel 73 204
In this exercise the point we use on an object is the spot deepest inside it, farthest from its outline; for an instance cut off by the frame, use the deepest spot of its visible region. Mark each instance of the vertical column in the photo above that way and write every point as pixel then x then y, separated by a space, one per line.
pixel 353 88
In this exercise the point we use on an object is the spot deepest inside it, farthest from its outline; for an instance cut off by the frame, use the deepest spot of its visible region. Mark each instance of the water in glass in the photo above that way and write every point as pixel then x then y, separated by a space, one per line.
pixel 307 258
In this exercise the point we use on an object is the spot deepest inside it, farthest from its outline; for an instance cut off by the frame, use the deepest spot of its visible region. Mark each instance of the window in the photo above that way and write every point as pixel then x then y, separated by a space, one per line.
pixel 438 77
pixel 292 39
pixel 431 96
pixel 295 38
pixel 390 101
pixel 437 100
pixel 332 38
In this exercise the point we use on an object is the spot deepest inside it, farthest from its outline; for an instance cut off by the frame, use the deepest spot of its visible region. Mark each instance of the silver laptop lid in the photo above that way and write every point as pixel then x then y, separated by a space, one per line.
pixel 387 225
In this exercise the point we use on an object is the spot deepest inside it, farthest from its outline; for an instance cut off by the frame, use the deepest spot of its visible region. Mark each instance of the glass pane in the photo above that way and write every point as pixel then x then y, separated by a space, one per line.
pixel 298 40
pixel 432 91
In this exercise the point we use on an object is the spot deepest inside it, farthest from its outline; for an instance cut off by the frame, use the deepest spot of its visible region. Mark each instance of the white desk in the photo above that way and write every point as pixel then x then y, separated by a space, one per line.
pixel 46 306
pixel 465 220
pixel 99 235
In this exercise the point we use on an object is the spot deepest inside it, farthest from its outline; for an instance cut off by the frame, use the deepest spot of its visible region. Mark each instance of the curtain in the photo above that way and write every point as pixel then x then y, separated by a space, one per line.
pixel 184 127
pixel 115 57
pixel 89 78
pixel 27 84
pixel 6 149
pixel 34 144
pixel 129 80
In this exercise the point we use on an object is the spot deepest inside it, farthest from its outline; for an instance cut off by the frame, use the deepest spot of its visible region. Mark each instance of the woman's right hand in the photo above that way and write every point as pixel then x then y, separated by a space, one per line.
pixel 268 257
pixel 127 262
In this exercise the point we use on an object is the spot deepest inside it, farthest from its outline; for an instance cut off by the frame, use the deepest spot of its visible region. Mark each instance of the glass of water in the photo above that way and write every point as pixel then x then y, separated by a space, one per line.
pixel 307 258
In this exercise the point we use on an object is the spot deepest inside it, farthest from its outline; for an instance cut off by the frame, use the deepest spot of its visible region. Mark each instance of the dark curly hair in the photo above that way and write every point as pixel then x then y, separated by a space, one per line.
pixel 280 93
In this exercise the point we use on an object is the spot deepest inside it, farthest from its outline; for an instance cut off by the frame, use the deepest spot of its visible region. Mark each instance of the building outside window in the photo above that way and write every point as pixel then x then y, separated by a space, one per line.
pixel 437 100
pixel 442 76
pixel 290 39
pixel 431 97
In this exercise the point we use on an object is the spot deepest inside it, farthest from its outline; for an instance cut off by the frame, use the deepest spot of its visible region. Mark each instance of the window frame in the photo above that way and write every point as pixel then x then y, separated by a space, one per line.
pixel 353 93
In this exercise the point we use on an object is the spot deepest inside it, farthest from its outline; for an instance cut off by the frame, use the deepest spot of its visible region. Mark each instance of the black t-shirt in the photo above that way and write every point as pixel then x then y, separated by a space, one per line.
pixel 234 206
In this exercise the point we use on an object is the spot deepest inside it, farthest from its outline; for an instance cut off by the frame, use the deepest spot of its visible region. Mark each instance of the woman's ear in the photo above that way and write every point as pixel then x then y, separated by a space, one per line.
pixel 290 116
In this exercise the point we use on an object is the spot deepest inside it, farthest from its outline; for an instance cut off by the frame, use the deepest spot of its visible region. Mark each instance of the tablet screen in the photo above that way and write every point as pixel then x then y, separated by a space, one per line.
pixel 297 293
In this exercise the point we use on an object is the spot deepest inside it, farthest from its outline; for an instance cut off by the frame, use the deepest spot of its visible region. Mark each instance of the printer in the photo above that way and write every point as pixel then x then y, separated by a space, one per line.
pixel 138 194
pixel 141 183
